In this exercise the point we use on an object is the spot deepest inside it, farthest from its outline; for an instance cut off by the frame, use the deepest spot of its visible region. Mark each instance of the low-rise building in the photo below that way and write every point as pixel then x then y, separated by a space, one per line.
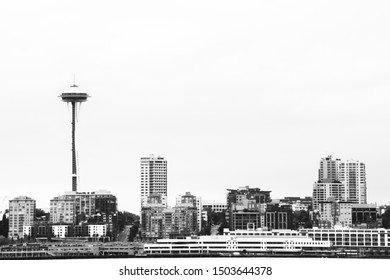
pixel 246 206
pixel 365 215
pixel 97 230
pixel 216 207
pixel 60 231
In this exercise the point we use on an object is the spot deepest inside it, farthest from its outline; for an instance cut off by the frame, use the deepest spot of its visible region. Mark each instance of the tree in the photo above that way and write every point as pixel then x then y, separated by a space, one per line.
pixel 386 219
pixel 4 226
pixel 4 241
pixel 213 218
pixel 41 215
pixel 134 231
pixel 206 228
pixel 126 218
pixel 301 219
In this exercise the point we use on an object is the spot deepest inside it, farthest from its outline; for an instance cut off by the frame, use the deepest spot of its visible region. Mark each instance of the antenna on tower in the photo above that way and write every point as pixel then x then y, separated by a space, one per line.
pixel 74 79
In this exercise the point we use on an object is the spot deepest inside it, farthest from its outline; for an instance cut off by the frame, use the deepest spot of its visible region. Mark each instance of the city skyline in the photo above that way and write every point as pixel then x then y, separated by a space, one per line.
pixel 161 170
pixel 231 95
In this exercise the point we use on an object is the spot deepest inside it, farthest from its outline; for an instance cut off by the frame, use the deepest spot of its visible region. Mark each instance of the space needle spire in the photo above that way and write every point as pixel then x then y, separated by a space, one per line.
pixel 74 96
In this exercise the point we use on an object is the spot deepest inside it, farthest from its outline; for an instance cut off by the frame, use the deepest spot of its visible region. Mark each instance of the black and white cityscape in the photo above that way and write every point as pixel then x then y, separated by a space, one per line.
pixel 194 129
pixel 335 221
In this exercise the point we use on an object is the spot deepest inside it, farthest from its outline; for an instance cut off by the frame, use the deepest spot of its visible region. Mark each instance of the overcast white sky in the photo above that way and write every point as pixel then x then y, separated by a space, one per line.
pixel 231 93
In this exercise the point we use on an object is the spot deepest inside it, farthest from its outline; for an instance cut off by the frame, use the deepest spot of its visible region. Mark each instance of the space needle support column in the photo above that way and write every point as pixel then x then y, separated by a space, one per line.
pixel 74 96
pixel 74 167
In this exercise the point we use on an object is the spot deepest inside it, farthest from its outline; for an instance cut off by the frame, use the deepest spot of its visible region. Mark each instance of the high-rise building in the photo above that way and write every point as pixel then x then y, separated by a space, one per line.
pixel 352 174
pixel 328 169
pixel 21 213
pixel 153 178
pixel 341 180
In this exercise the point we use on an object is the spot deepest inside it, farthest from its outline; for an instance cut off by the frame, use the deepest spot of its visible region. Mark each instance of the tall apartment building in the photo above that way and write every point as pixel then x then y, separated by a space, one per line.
pixel 153 177
pixel 353 176
pixel 328 169
pixel 21 213
pixel 341 180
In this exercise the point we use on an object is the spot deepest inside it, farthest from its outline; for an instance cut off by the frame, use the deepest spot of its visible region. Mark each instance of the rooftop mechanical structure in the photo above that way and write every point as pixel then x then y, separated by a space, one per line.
pixel 75 97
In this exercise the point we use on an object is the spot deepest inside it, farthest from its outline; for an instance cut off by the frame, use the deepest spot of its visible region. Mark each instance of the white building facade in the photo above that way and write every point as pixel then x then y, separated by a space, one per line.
pixel 97 230
pixel 352 174
pixel 153 177
pixel 60 231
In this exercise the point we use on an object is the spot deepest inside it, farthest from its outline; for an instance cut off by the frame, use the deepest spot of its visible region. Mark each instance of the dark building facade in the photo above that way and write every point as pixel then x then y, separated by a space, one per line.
pixel 246 207
pixel 278 216
pixel 364 215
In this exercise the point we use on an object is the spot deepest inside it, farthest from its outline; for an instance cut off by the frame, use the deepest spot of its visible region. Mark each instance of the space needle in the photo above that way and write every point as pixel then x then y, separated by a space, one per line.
pixel 75 96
